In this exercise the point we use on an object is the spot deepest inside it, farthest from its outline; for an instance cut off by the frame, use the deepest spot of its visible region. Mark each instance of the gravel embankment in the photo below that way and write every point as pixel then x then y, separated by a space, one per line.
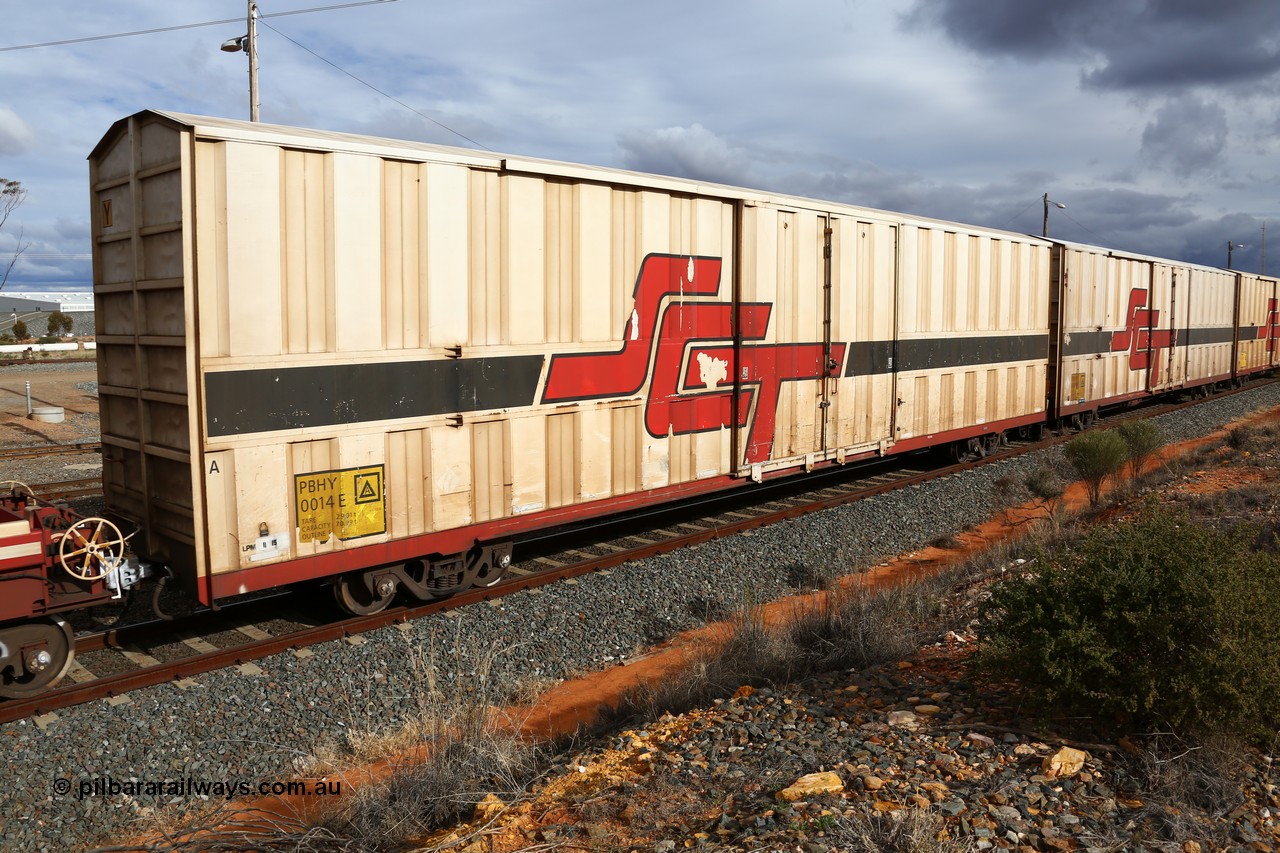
pixel 82 323
pixel 231 726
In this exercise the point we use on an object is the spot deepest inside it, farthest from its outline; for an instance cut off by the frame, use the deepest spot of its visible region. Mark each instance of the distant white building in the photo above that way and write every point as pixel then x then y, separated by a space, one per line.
pixel 29 301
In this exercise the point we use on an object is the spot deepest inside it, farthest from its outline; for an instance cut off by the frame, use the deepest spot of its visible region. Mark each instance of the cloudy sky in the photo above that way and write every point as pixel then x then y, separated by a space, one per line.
pixel 1155 121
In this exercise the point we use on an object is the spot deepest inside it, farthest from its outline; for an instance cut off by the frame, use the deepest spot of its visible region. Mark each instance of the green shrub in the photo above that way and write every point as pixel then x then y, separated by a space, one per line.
pixel 1047 488
pixel 59 322
pixel 1142 438
pixel 1095 456
pixel 1159 620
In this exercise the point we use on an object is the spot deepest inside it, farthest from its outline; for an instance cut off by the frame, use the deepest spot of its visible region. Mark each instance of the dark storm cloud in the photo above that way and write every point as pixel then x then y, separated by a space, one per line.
pixel 1133 45
pixel 686 152
pixel 1147 223
pixel 1187 134
pixel 1031 30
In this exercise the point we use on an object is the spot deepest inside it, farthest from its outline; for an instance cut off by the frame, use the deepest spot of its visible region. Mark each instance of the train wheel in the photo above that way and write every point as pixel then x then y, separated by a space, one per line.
pixel 364 593
pixel 491 566
pixel 34 656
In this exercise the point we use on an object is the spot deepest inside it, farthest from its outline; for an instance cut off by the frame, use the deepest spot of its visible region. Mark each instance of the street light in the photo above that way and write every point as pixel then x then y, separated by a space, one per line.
pixel 249 44
pixel 1044 232
pixel 1230 248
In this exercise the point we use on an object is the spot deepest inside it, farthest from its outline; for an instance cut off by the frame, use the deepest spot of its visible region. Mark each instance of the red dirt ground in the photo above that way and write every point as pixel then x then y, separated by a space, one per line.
pixel 574 704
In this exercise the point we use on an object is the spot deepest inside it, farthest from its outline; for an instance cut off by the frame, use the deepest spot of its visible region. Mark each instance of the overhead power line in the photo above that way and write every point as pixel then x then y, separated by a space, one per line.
pixel 190 26
pixel 262 18
pixel 376 89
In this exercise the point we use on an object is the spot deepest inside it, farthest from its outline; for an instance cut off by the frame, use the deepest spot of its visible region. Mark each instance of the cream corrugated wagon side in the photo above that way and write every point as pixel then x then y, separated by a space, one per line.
pixel 325 355
pixel 375 362
pixel 1129 326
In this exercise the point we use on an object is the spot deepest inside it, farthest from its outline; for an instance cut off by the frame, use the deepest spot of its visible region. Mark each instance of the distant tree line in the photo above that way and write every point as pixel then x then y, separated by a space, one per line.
pixel 58 325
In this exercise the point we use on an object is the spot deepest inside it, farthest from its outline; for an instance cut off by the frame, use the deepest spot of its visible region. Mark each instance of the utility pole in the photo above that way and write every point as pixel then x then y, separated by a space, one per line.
pixel 1044 231
pixel 249 44
pixel 252 48
pixel 1232 246
pixel 1262 251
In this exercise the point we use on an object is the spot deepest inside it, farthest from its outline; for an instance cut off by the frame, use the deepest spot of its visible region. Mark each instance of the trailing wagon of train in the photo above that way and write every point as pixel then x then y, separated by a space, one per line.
pixel 374 362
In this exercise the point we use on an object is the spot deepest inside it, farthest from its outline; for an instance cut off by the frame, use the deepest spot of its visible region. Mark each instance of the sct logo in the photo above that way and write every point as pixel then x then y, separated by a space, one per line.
pixel 680 343
pixel 1141 337
pixel 1272 329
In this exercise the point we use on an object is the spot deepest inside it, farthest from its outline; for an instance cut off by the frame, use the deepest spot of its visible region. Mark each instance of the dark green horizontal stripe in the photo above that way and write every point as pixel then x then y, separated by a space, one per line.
pixel 1086 343
pixel 1222 335
pixel 267 399
pixel 871 357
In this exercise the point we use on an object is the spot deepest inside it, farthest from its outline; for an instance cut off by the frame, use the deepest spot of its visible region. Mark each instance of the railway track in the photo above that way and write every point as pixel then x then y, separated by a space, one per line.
pixel 9 454
pixel 114 662
pixel 66 489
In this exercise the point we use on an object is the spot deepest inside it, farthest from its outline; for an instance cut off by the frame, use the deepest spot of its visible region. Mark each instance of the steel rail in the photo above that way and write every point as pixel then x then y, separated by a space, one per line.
pixel 68 489
pixel 35 451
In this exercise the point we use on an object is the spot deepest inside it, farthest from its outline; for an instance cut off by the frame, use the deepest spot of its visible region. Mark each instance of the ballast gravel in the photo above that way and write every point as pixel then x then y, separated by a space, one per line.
pixel 232 727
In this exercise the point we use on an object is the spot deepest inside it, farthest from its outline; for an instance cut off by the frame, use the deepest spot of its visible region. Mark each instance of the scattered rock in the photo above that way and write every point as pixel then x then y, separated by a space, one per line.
pixel 811 786
pixel 1064 762
pixel 904 719
pixel 488 808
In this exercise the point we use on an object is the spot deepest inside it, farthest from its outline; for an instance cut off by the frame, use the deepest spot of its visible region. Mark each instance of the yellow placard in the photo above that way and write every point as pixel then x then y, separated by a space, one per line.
pixel 349 503
pixel 1077 388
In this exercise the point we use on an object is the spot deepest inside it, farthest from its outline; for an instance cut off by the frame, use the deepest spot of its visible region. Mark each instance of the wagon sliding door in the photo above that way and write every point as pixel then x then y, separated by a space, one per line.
pixel 786 359
pixel 864 287
pixel 1255 324
pixel 1160 330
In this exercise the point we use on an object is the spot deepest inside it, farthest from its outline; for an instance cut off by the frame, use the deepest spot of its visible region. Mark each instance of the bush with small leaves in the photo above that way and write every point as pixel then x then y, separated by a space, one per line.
pixel 1044 485
pixel 1143 438
pixel 1095 456
pixel 1159 620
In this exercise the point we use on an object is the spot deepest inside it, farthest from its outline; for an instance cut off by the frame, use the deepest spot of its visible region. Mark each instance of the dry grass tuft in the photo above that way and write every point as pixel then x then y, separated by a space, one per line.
pixel 902 831
pixel 850 626
pixel 459 746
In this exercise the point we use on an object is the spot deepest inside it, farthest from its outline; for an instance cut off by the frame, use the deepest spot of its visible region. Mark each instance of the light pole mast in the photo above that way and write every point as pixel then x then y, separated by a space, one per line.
pixel 251 47
pixel 1044 231
pixel 249 44
pixel 1262 252
pixel 1231 247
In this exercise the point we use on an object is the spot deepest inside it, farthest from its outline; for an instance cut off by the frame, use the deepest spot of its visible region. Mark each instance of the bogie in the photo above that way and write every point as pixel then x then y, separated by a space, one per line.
pixel 362 593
